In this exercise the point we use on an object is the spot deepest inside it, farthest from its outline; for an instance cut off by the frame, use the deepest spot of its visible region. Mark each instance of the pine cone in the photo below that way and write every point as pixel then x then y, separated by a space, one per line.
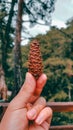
pixel 35 66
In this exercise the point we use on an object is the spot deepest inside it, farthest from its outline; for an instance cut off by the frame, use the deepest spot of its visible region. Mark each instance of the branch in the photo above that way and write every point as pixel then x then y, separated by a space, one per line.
pixel 28 21
pixel 27 38
pixel 66 34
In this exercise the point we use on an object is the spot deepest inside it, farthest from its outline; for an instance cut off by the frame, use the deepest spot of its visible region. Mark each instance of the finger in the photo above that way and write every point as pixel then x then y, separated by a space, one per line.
pixel 29 106
pixel 40 84
pixel 37 107
pixel 45 114
pixel 39 87
pixel 25 93
pixel 45 125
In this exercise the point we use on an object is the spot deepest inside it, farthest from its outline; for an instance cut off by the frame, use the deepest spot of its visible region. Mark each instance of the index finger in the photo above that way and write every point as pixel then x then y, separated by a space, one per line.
pixel 39 87
pixel 40 84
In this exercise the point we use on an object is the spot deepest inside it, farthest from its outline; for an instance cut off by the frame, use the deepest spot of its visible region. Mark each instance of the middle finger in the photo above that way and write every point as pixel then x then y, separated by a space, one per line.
pixel 37 107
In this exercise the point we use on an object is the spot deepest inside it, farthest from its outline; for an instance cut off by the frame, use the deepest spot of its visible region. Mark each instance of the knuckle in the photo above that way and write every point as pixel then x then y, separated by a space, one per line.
pixel 43 100
pixel 40 104
pixel 10 106
pixel 50 111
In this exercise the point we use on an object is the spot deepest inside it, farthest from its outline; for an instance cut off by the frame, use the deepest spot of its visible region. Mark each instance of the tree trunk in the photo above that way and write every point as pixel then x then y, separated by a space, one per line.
pixel 3 87
pixel 17 50
pixel 5 38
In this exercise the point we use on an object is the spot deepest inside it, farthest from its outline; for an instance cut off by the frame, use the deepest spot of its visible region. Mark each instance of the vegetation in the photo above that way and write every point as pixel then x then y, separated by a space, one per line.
pixel 14 10
pixel 56 47
pixel 57 52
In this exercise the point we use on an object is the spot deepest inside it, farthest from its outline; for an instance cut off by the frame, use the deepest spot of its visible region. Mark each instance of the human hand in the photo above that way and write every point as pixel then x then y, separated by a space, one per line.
pixel 28 111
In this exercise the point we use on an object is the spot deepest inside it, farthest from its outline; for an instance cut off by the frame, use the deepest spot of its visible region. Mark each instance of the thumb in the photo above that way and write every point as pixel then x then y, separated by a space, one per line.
pixel 25 93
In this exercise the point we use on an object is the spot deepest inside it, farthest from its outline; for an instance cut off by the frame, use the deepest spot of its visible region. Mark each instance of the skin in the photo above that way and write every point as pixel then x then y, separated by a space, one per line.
pixel 28 111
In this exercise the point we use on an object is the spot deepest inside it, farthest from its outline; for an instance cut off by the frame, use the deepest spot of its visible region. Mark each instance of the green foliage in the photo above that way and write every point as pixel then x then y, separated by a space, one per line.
pixel 57 61
pixel 62 118
pixel 39 10
pixel 35 10
pixel 57 52
pixel 56 47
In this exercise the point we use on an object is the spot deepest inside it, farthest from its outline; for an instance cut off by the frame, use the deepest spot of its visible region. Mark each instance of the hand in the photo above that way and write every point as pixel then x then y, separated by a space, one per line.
pixel 28 111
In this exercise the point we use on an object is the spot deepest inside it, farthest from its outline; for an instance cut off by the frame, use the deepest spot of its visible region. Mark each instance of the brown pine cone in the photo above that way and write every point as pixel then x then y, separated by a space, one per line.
pixel 35 66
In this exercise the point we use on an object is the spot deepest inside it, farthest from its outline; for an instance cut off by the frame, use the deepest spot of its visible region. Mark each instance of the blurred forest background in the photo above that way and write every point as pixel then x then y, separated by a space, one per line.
pixel 56 48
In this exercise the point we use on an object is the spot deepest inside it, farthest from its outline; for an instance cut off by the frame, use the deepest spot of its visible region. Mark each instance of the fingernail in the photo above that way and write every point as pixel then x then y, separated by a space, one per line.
pixel 31 113
pixel 44 77
pixel 39 120
pixel 27 76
